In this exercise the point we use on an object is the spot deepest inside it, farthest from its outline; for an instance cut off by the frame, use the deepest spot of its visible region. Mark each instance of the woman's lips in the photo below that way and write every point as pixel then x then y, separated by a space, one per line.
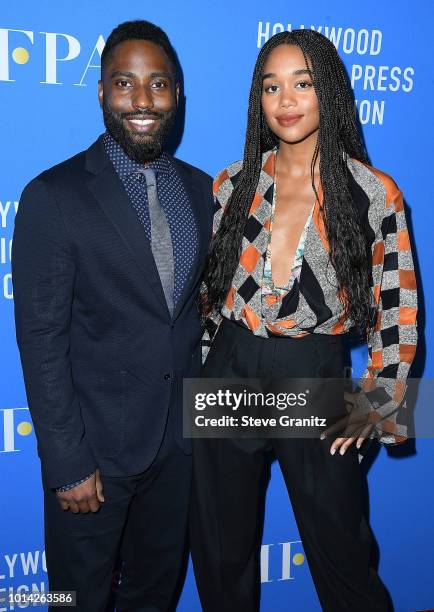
pixel 288 120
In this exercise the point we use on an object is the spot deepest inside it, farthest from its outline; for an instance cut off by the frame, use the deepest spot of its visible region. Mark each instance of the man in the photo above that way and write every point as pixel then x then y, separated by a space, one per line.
pixel 108 252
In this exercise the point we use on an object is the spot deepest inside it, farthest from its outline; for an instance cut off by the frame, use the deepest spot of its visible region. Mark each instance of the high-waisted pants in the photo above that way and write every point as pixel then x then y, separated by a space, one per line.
pixel 326 491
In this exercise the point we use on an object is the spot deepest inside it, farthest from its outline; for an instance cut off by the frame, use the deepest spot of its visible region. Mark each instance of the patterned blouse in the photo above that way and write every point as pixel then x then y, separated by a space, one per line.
pixel 268 286
pixel 313 303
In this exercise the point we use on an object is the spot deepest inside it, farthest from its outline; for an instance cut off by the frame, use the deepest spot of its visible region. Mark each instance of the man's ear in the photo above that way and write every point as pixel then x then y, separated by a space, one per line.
pixel 177 94
pixel 100 92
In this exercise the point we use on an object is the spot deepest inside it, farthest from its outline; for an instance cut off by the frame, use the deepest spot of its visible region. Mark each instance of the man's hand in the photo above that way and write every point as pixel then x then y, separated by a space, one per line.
pixel 85 497
pixel 355 426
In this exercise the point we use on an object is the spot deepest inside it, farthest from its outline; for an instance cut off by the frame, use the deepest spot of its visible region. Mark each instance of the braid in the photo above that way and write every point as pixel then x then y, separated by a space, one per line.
pixel 339 137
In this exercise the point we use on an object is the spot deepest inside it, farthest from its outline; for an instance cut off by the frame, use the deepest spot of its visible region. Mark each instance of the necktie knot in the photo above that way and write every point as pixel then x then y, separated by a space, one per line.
pixel 148 175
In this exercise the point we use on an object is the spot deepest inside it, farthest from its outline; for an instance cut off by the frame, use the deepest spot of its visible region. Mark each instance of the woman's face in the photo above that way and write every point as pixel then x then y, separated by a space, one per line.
pixel 289 101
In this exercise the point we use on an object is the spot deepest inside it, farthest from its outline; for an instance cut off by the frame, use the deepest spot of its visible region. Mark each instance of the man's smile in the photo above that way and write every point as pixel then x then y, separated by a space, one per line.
pixel 141 124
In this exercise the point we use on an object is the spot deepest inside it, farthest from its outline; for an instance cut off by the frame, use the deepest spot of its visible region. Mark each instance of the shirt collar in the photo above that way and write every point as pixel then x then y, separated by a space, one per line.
pixel 125 166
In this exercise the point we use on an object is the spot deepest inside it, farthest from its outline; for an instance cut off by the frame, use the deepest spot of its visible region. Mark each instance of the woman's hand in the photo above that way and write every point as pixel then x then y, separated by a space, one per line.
pixel 355 426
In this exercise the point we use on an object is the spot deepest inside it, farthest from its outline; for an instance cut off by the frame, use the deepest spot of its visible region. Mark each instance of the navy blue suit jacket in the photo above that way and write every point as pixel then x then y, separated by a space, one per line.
pixel 101 356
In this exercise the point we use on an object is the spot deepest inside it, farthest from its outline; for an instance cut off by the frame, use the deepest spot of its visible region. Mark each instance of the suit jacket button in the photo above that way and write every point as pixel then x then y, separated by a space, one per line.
pixel 167 377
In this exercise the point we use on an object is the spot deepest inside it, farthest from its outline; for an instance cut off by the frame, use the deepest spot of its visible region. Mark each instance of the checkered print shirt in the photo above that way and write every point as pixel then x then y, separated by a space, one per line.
pixel 312 305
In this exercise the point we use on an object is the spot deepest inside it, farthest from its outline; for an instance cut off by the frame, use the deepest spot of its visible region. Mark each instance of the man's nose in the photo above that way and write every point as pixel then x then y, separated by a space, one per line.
pixel 142 98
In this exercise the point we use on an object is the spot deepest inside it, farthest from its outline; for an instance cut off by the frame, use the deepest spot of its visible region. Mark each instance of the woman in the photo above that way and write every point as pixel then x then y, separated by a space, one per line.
pixel 309 243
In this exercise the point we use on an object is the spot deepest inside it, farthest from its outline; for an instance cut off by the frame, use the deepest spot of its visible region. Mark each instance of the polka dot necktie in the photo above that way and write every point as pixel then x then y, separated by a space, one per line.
pixel 161 240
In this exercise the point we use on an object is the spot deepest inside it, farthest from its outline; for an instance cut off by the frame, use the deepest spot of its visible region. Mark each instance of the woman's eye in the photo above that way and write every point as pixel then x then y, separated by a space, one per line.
pixel 304 84
pixel 271 88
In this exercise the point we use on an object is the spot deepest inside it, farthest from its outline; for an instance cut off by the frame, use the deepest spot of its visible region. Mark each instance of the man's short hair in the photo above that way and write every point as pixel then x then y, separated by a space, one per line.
pixel 138 30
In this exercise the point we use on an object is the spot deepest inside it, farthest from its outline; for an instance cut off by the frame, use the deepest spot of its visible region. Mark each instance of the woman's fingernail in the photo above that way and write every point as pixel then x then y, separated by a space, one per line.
pixel 342 451
pixel 322 436
pixel 332 451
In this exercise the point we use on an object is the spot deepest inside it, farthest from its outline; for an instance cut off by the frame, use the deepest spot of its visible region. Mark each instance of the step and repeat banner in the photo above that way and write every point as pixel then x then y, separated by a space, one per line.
pixel 49 68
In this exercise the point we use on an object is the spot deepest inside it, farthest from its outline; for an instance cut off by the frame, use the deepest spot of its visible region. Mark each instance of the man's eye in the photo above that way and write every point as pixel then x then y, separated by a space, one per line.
pixel 123 84
pixel 159 84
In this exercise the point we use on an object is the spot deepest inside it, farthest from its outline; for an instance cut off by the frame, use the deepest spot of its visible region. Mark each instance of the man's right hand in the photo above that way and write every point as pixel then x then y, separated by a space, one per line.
pixel 85 497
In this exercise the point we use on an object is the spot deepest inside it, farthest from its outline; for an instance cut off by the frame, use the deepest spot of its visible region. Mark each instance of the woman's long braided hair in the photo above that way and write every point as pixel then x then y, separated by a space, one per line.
pixel 339 136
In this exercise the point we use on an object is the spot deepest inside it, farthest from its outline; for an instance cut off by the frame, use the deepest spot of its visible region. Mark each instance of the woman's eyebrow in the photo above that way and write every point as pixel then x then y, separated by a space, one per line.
pixel 270 75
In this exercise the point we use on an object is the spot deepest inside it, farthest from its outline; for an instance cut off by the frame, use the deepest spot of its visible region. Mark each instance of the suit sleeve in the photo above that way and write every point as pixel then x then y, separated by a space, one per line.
pixel 214 319
pixel 392 344
pixel 44 272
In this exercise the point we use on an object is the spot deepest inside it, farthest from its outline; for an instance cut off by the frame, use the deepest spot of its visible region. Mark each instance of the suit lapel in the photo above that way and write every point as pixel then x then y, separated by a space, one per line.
pixel 198 202
pixel 110 194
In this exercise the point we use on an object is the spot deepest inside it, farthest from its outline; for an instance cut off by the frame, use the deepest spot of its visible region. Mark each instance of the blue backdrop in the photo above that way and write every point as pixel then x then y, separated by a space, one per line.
pixel 49 67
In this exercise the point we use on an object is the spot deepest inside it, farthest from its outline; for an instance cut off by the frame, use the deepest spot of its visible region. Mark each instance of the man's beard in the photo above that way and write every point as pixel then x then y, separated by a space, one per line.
pixel 140 148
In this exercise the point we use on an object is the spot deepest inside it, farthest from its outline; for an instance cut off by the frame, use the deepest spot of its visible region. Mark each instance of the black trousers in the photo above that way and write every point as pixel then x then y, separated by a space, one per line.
pixel 143 521
pixel 325 490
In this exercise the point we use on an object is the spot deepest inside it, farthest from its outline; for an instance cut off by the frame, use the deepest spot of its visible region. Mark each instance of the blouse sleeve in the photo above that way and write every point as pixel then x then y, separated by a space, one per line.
pixel 392 343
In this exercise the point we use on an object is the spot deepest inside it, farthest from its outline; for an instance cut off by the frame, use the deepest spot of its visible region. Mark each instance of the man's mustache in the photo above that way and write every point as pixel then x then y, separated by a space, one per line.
pixel 143 113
